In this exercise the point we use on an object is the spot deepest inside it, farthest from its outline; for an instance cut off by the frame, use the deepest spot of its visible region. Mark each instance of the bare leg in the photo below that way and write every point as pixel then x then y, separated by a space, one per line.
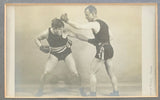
pixel 111 75
pixel 72 66
pixel 94 68
pixel 51 63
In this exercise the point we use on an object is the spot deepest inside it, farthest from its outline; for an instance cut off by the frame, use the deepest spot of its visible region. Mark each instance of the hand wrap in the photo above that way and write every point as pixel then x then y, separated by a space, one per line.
pixel 45 48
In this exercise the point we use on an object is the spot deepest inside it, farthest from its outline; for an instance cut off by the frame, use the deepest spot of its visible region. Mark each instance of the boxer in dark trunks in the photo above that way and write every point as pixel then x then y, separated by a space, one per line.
pixel 104 50
pixel 59 48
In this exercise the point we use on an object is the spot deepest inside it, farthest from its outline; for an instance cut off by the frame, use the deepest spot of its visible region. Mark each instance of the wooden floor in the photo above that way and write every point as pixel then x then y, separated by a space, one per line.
pixel 63 90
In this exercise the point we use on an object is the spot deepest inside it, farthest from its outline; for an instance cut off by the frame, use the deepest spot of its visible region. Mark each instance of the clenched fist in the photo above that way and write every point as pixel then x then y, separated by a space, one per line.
pixel 45 49
pixel 64 17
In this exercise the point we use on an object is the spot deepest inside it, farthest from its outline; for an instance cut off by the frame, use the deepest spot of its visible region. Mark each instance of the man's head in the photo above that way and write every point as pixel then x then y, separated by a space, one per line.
pixel 90 13
pixel 57 25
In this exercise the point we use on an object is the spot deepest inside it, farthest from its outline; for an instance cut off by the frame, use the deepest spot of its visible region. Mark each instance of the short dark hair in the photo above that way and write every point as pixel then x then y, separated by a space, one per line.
pixel 57 23
pixel 91 8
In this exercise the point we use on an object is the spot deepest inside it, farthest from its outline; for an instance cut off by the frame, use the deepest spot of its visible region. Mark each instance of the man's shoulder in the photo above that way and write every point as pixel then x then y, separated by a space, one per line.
pixel 102 21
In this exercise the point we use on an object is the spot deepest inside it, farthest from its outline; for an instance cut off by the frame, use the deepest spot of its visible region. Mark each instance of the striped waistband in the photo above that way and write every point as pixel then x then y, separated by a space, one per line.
pixel 61 48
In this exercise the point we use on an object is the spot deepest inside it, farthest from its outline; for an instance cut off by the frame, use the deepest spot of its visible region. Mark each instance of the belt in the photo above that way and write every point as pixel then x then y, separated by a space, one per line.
pixel 102 44
pixel 61 48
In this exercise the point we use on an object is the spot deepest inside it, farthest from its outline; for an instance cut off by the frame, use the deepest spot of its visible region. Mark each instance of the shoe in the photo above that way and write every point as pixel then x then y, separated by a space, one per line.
pixel 39 93
pixel 82 92
pixel 92 93
pixel 114 93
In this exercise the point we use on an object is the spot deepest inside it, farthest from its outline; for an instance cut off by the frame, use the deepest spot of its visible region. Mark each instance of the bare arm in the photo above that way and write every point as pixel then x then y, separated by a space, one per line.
pixel 87 26
pixel 69 33
pixel 111 35
pixel 42 36
pixel 80 36
pixel 73 34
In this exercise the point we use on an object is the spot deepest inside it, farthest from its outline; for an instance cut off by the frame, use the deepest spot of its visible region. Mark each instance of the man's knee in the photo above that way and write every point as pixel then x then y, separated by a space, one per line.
pixel 46 71
pixel 93 78
pixel 92 75
pixel 92 71
pixel 73 70
pixel 75 74
pixel 43 77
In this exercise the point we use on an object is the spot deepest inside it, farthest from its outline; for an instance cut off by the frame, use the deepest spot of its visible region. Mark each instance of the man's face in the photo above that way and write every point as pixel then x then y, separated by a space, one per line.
pixel 89 15
pixel 58 31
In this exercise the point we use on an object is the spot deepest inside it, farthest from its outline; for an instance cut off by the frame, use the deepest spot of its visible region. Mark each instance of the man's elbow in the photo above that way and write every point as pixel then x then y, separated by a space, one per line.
pixel 37 39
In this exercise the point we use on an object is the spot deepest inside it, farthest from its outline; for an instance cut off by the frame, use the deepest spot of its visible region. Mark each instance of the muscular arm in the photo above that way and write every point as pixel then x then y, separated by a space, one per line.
pixel 88 26
pixel 82 37
pixel 42 36
pixel 69 33
pixel 77 35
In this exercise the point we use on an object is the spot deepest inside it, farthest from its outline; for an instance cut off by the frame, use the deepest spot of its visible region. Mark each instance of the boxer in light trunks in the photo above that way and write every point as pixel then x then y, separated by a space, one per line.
pixel 59 49
pixel 104 50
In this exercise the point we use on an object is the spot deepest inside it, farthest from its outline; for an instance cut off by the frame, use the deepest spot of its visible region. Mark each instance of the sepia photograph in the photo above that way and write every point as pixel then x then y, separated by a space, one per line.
pixel 81 50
